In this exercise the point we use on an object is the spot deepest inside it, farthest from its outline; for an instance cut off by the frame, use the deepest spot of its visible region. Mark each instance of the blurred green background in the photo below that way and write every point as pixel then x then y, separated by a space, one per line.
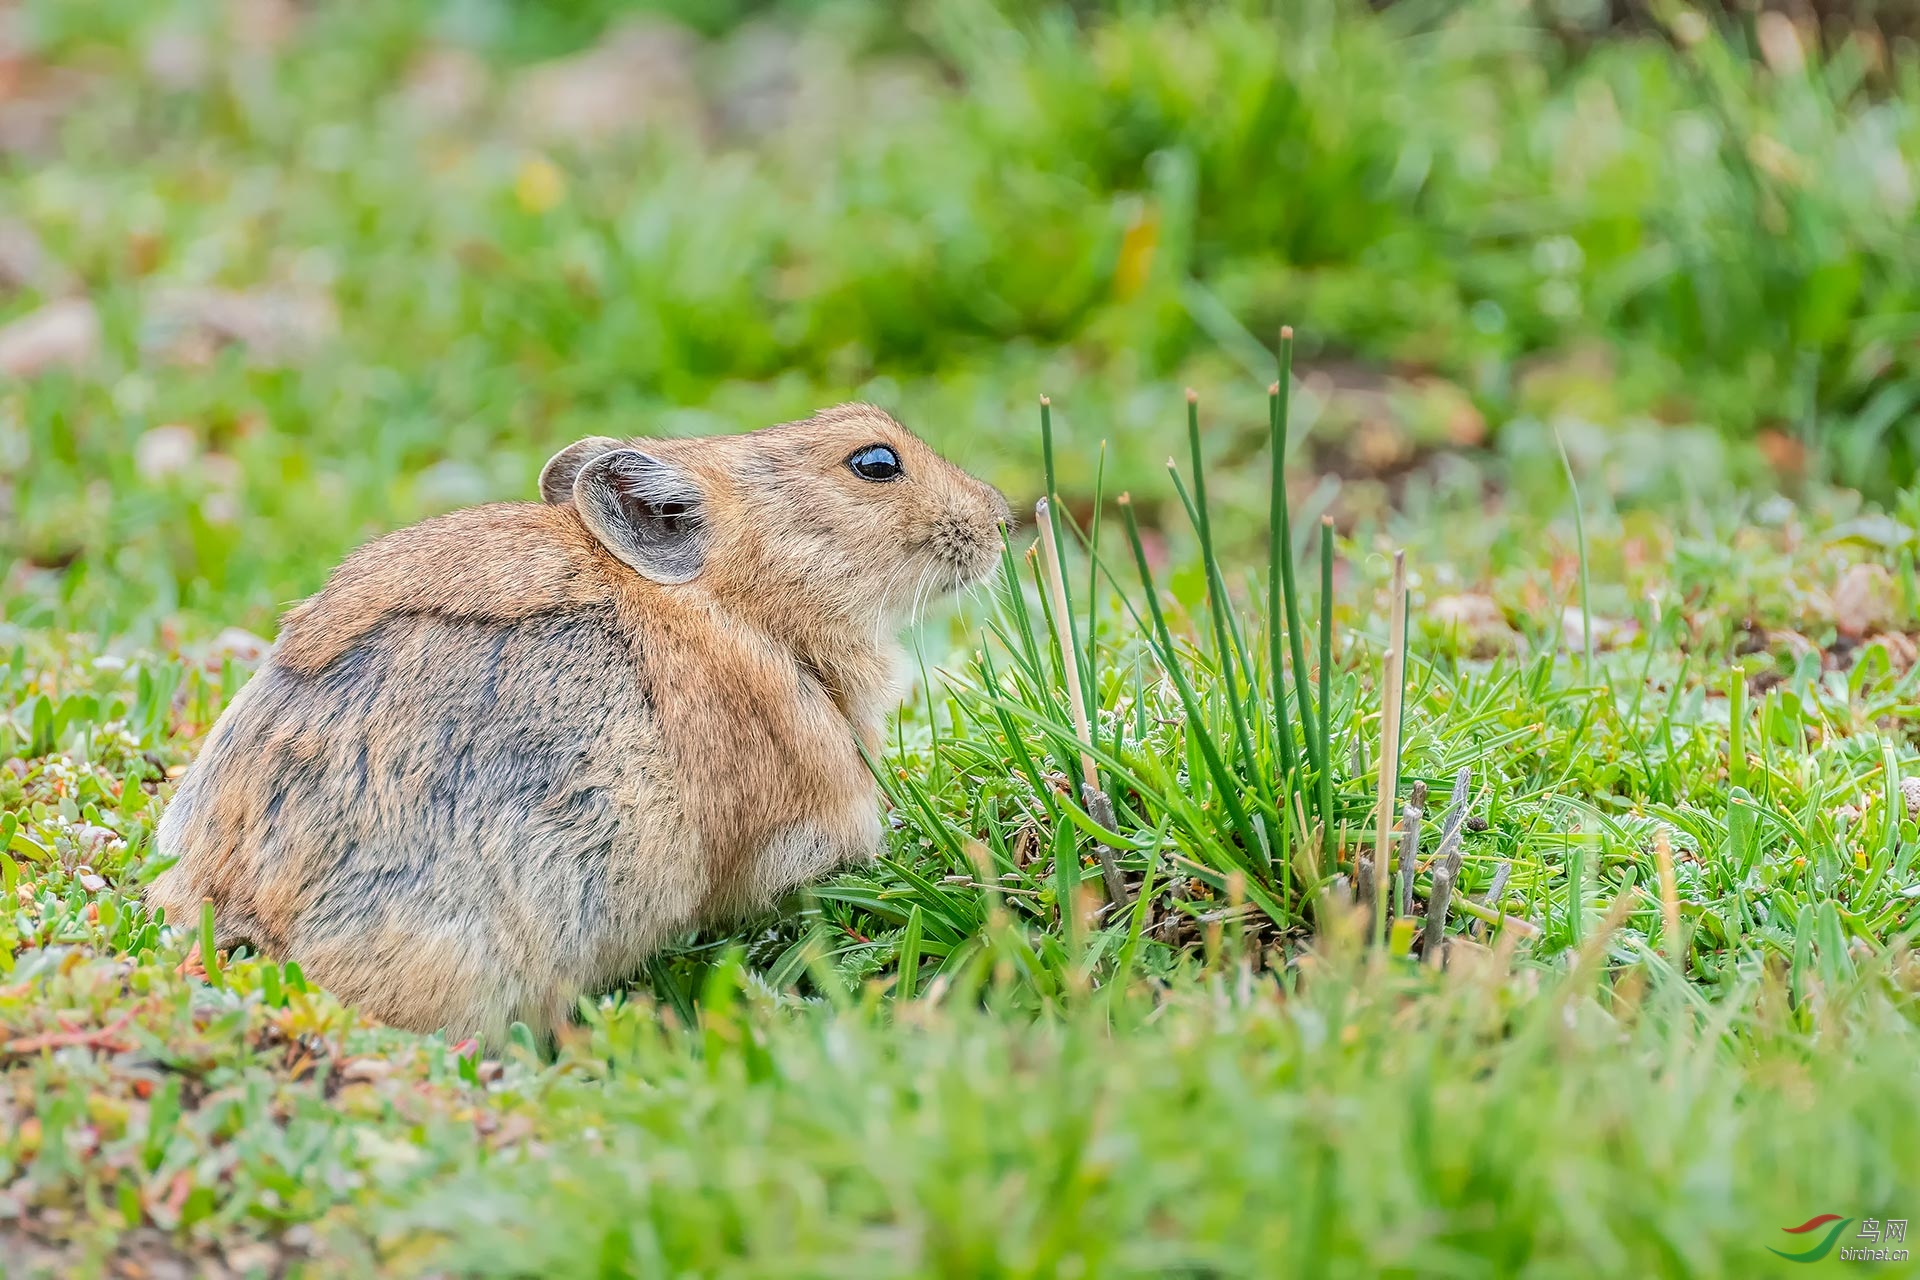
pixel 276 277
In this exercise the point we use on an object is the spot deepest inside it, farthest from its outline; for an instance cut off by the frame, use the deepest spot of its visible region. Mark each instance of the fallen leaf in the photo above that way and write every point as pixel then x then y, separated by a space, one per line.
pixel 192 966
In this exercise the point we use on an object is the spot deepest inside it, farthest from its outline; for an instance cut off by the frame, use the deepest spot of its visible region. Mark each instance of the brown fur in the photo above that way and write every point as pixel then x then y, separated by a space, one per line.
pixel 491 765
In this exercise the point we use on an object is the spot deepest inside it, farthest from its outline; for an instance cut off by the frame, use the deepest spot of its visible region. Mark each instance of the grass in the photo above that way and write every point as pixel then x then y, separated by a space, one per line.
pixel 1371 1122
pixel 963 1025
pixel 1574 773
pixel 1677 1009
pixel 959 211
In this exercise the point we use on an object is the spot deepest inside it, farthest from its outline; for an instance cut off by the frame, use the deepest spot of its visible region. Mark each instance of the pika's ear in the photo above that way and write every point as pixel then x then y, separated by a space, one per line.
pixel 649 513
pixel 563 468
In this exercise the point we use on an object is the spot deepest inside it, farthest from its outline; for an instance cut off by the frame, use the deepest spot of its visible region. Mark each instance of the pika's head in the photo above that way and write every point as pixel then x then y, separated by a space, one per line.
pixel 845 518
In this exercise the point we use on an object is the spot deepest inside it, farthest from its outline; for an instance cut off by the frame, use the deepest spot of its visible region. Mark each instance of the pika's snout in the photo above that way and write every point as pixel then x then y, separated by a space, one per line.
pixel 1002 510
pixel 967 535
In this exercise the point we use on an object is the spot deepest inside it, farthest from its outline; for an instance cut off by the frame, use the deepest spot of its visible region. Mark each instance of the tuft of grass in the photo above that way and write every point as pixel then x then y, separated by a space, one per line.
pixel 1618 901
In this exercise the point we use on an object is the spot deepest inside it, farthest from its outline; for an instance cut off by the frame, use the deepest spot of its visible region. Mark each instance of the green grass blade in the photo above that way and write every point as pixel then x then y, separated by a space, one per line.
pixel 1081 660
pixel 909 979
pixel 1216 592
pixel 1280 549
pixel 1093 592
pixel 1580 536
pixel 1224 781
pixel 209 956
pixel 1326 673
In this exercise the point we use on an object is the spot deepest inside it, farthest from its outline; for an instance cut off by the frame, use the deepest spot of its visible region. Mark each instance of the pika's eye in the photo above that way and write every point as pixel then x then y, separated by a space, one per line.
pixel 875 462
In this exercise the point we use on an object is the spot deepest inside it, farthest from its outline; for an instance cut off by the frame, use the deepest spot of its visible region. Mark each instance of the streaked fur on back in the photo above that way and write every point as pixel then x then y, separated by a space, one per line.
pixel 491 766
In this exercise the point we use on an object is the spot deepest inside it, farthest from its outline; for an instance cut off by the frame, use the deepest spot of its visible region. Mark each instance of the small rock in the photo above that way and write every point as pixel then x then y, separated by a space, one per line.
pixel 262 26
pixel 165 451
pixel 92 838
pixel 1379 445
pixel 1780 44
pixel 159 1266
pixel 1479 624
pixel 1784 453
pixel 36 97
pixel 760 79
pixel 177 58
pixel 1863 602
pixel 640 75
pixel 253 1258
pixel 25 262
pixel 220 509
pixel 1793 642
pixel 1607 633
pixel 239 644
pixel 444 86
pixel 89 880
pixel 366 1069
pixel 276 326
pixel 1900 648
pixel 1466 426
pixel 61 334
pixel 1910 792
pixel 222 472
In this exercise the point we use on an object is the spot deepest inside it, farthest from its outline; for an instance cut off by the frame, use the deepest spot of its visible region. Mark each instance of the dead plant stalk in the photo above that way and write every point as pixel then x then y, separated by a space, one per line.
pixel 1390 706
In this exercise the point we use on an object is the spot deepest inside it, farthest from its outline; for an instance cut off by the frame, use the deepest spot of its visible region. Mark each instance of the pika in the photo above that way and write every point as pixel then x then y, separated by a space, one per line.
pixel 508 752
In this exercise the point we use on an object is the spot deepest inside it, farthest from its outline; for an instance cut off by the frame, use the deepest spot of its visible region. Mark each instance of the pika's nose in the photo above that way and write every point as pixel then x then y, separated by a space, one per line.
pixel 1002 512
